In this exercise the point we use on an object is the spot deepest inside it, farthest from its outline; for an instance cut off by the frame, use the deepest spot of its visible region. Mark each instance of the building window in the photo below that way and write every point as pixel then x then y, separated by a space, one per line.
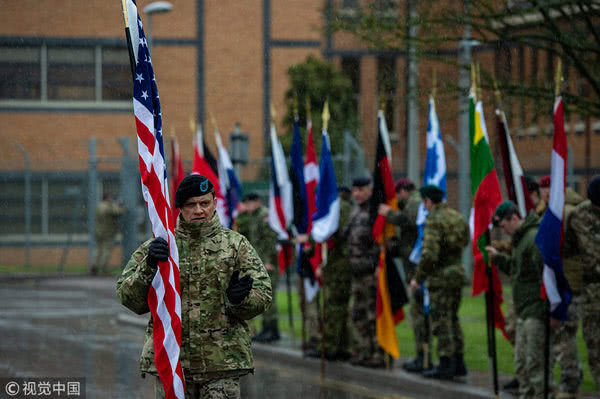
pixel 53 74
pixel 116 74
pixel 71 74
pixel 20 73
pixel 351 67
pixel 386 9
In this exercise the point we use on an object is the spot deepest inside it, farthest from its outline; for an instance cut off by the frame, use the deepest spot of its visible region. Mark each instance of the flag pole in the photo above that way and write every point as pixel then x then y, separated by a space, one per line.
pixel 324 299
pixel 128 36
pixel 286 260
pixel 491 324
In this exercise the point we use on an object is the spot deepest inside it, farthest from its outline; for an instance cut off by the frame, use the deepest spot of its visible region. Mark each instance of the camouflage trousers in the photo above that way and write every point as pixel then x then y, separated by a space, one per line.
pixel 510 322
pixel 418 321
pixel 225 388
pixel 336 297
pixel 564 351
pixel 103 252
pixel 364 334
pixel 311 312
pixel 269 317
pixel 444 305
pixel 529 357
pixel 590 324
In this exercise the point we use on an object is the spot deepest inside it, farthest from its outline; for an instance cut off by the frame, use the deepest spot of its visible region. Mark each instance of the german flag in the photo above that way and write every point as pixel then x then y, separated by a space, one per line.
pixel 391 294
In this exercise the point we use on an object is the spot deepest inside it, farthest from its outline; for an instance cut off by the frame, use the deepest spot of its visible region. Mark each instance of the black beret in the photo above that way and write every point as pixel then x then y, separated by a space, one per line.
pixel 192 186
pixel 593 191
pixel 432 192
pixel 532 185
pixel 503 210
pixel 361 182
pixel 344 189
pixel 251 197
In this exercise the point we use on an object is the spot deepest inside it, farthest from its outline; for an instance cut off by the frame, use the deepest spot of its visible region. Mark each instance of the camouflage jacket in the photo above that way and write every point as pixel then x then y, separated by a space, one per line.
pixel 584 225
pixel 572 257
pixel 446 235
pixel 107 219
pixel 338 255
pixel 363 250
pixel 215 337
pixel 524 266
pixel 406 220
pixel 255 227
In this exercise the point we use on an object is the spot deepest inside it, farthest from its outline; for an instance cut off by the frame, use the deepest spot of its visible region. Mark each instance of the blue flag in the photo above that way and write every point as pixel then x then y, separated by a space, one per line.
pixel 327 217
pixel 435 173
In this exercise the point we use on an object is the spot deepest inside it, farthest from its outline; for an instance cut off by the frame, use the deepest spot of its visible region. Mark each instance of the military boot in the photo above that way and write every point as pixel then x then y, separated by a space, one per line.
pixel 417 365
pixel 460 368
pixel 444 371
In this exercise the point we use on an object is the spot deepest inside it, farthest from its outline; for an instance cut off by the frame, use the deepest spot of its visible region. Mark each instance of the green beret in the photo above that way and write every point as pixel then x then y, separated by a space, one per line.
pixel 503 210
pixel 432 192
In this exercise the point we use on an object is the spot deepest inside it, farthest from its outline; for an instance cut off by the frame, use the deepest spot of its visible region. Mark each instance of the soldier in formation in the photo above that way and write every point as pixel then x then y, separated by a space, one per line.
pixel 107 227
pixel 363 260
pixel 524 266
pixel 252 223
pixel 583 228
pixel 446 235
pixel 405 218
pixel 223 285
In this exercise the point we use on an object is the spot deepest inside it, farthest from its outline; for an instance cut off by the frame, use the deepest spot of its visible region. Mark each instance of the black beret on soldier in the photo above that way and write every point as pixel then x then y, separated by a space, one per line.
pixel 192 186
pixel 593 191
pixel 432 192
pixel 361 182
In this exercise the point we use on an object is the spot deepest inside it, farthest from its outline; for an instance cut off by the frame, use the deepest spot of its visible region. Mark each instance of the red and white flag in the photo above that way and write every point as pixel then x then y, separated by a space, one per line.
pixel 205 164
pixel 164 297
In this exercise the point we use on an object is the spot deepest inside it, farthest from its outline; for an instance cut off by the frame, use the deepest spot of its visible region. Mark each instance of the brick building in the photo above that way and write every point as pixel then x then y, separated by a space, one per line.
pixel 65 77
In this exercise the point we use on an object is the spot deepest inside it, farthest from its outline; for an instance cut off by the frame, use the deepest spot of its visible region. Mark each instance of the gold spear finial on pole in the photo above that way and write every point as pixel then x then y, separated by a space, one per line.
pixel 474 82
pixel 295 106
pixel 273 114
pixel 497 94
pixel 125 17
pixel 558 79
pixel 213 122
pixel 325 115
pixel 478 72
pixel 192 124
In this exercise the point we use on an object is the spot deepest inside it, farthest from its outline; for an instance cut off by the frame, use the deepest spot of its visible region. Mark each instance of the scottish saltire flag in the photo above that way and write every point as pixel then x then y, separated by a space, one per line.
pixel 326 219
pixel 281 206
pixel 550 236
pixel 164 298
pixel 230 186
pixel 205 164
pixel 435 173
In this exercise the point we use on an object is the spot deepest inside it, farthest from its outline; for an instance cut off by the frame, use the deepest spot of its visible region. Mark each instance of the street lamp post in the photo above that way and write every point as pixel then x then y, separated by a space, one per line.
pixel 156 7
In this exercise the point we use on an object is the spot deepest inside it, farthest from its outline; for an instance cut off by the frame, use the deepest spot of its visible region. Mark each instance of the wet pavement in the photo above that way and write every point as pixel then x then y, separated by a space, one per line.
pixel 75 328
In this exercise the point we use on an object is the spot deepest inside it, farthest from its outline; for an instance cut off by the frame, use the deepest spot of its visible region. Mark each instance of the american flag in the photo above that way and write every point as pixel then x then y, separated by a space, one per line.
pixel 164 295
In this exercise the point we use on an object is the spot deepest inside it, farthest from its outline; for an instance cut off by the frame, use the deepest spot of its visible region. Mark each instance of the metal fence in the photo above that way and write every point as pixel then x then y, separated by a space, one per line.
pixel 57 208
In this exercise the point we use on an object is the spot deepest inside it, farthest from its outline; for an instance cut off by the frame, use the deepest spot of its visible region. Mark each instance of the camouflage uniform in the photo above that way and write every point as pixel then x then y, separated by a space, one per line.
pixel 584 226
pixel 107 227
pixel 255 227
pixel 407 232
pixel 564 338
pixel 363 256
pixel 524 266
pixel 446 235
pixel 337 283
pixel 215 337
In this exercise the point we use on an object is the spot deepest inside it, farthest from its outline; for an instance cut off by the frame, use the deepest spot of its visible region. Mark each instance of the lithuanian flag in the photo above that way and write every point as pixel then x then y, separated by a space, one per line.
pixel 485 188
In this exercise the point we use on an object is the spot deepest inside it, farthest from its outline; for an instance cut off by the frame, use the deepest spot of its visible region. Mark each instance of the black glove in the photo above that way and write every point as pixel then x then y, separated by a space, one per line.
pixel 158 250
pixel 238 289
